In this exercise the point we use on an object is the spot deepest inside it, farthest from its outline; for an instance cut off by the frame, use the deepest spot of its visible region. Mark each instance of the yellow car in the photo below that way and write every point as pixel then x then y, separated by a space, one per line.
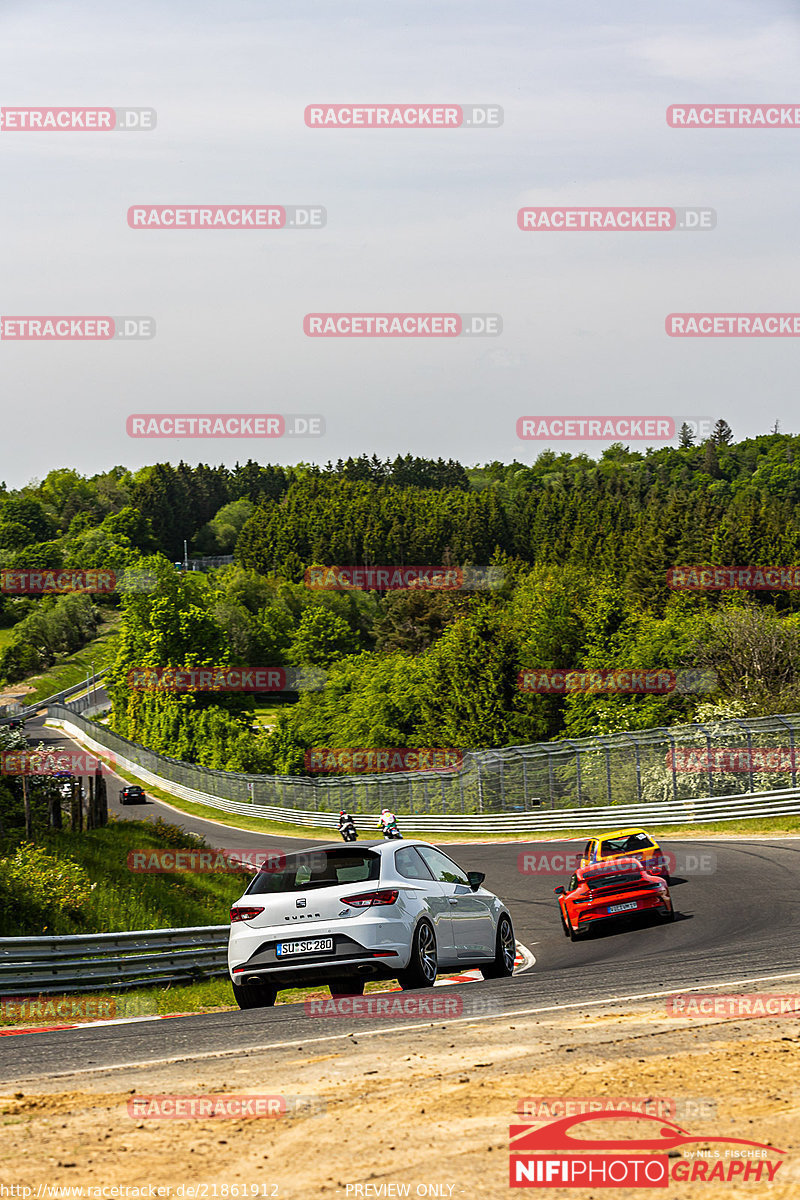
pixel 627 843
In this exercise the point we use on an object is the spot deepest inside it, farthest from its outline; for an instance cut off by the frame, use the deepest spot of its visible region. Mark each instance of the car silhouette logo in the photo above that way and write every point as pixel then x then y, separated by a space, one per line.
pixel 552 1154
pixel 556 1136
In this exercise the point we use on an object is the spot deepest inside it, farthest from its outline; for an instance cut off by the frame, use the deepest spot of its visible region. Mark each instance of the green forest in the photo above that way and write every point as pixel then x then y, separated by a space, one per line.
pixel 583 547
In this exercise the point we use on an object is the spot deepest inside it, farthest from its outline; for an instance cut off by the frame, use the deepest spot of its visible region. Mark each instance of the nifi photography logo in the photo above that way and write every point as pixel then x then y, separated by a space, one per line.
pixel 551 1156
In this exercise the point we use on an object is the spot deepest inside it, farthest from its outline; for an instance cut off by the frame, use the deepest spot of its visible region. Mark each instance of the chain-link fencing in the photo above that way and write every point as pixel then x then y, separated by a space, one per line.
pixel 655 766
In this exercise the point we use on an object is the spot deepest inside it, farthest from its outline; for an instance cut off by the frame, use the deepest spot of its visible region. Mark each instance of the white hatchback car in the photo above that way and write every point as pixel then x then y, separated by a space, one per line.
pixel 342 914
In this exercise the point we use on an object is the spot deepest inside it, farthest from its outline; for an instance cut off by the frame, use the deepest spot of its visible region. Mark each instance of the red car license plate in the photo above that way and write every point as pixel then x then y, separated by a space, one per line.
pixel 615 908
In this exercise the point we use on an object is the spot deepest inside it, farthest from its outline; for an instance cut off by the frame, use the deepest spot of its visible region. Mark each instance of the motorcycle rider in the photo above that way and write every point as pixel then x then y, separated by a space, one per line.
pixel 388 823
pixel 347 826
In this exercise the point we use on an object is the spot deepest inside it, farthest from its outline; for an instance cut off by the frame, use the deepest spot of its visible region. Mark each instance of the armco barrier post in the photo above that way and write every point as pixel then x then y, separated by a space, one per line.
pixel 749 736
pixel 674 767
pixel 604 744
pixel 791 747
pixel 577 751
pixel 637 756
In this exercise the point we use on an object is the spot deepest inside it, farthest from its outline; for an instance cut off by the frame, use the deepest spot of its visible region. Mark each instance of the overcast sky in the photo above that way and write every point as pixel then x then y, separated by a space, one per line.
pixel 421 221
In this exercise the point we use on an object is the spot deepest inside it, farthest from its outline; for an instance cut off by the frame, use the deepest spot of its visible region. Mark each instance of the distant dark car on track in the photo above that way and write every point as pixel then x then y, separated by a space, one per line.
pixel 597 895
pixel 132 795
pixel 13 723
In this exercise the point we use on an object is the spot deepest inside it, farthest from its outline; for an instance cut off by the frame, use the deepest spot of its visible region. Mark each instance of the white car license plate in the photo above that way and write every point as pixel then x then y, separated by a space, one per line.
pixel 622 907
pixel 309 946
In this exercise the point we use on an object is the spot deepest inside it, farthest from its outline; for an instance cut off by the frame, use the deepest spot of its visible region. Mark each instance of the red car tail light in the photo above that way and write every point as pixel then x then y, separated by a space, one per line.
pixel 370 899
pixel 240 912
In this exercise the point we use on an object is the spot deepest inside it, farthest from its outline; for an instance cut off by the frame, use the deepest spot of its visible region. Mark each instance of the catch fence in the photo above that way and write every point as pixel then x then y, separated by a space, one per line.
pixel 655 767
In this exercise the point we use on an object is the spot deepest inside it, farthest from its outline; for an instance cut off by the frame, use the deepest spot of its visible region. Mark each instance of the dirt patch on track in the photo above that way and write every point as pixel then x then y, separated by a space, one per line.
pixel 427 1108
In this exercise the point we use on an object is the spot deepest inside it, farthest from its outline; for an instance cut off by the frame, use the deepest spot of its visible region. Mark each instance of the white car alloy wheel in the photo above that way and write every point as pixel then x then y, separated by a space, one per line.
pixel 424 964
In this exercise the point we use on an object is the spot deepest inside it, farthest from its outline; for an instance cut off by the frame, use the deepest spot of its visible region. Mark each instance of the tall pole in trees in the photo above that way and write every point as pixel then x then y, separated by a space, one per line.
pixel 90 822
pixel 26 800
pixel 54 806
pixel 101 797
pixel 76 807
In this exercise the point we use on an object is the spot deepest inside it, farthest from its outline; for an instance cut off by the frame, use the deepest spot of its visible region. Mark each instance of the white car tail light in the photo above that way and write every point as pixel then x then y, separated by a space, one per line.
pixel 371 899
pixel 240 913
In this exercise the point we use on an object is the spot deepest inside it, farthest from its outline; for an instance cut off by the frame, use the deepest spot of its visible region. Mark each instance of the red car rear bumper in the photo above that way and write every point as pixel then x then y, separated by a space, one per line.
pixel 599 910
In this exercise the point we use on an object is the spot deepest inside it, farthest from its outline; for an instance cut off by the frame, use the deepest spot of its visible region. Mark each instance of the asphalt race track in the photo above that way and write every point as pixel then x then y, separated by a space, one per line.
pixel 739 923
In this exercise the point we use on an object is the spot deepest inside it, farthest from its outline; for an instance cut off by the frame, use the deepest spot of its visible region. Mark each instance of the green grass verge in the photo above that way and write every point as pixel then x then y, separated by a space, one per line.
pixel 111 897
pixel 73 668
pixel 206 995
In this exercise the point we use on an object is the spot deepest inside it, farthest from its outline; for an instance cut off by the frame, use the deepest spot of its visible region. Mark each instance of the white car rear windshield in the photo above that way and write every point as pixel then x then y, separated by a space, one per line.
pixel 318 869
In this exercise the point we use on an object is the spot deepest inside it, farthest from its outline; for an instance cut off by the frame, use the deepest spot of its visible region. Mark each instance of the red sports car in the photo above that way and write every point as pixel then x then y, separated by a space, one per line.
pixel 608 893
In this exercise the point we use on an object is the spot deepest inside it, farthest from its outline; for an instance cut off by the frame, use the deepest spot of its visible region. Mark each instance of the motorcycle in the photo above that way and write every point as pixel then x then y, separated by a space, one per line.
pixel 391 833
pixel 349 832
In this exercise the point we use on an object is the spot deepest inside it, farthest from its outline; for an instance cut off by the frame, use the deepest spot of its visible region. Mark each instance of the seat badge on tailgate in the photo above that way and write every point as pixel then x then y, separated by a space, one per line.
pixel 300 903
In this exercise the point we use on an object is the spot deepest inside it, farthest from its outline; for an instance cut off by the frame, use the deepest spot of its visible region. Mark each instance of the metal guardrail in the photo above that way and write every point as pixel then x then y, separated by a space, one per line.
pixel 643 768
pixel 24 711
pixel 92 961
